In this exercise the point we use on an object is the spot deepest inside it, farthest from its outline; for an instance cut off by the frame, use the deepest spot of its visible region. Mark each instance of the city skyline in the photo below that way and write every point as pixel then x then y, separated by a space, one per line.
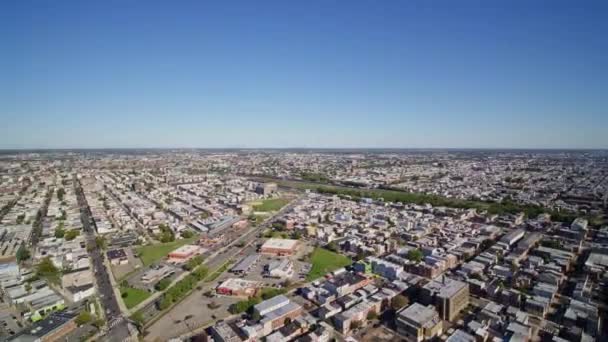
pixel 315 75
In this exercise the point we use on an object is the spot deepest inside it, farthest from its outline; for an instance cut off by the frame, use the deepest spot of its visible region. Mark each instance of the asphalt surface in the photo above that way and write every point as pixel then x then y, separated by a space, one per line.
pixel 117 325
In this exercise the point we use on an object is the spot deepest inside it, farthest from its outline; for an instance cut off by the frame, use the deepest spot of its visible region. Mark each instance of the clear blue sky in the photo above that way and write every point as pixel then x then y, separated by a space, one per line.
pixel 304 74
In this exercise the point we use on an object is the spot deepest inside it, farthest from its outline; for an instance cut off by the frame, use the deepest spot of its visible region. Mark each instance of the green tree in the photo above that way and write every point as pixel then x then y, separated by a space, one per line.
pixel 60 194
pixel 138 318
pixel 22 253
pixel 165 302
pixel 193 263
pixel 60 232
pixel 83 318
pixel 71 234
pixel 186 234
pixel 162 284
pixel 399 302
pixel 99 323
pixel 415 255
pixel 46 267
pixel 100 241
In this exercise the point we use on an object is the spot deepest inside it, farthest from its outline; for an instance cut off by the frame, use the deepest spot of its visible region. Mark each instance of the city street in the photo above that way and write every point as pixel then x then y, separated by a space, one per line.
pixel 117 329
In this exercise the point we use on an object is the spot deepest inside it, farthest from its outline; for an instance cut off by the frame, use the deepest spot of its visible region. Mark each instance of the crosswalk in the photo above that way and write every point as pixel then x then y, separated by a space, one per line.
pixel 115 321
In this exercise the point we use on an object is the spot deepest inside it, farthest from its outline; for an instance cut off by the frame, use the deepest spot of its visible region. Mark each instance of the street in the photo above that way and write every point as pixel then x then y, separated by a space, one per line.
pixel 117 329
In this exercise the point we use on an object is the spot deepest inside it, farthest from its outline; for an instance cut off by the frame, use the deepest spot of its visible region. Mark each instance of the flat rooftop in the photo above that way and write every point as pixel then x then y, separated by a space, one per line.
pixel 419 313
pixel 187 249
pixel 445 287
pixel 238 284
pixel 280 244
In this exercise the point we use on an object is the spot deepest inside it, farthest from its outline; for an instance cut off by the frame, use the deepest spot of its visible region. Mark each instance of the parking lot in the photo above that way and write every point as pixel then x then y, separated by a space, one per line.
pixel 120 271
pixel 201 307
pixel 135 279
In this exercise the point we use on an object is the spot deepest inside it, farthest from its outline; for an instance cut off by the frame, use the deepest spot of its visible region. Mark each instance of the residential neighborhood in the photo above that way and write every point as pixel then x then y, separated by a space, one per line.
pixel 247 246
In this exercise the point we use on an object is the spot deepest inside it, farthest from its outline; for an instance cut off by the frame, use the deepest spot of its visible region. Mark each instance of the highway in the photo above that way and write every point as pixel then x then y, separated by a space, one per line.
pixel 117 326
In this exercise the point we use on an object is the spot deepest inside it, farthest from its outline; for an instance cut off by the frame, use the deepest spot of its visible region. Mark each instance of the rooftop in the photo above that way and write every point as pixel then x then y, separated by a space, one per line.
pixel 280 244
pixel 419 313
pixel 445 287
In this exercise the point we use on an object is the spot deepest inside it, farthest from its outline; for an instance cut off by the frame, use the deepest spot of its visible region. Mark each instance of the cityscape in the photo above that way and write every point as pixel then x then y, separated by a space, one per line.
pixel 317 245
pixel 303 171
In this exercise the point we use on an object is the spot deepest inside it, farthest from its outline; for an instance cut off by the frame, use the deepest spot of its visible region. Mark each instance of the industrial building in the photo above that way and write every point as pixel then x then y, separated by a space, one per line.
pixel 279 247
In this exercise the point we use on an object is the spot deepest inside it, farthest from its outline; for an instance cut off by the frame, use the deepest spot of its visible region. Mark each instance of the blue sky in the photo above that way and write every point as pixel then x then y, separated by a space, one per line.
pixel 460 74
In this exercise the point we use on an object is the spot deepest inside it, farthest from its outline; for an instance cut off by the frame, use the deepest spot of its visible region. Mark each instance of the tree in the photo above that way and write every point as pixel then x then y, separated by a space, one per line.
pixel 162 284
pixel 22 253
pixel 71 234
pixel 165 302
pixel 166 234
pixel 99 323
pixel 192 263
pixel 59 232
pixel 332 246
pixel 186 234
pixel 100 241
pixel 46 267
pixel 415 255
pixel 83 318
pixel 372 315
pixel 60 194
pixel 138 318
pixel 399 302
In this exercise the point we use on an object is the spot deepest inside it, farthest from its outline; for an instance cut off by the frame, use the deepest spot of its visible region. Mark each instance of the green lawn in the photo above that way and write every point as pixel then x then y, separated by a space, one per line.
pixel 325 261
pixel 131 296
pixel 152 253
pixel 271 204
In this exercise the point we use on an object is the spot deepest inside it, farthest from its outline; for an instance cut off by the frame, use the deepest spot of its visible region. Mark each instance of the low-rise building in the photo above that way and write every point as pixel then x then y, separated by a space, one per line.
pixel 279 269
pixel 53 328
pixel 279 247
pixel 238 287
pixel 185 253
pixel 117 257
pixel 418 322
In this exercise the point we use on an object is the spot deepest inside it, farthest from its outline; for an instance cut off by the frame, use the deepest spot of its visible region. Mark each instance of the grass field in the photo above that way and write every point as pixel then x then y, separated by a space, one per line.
pixel 152 253
pixel 271 204
pixel 131 296
pixel 325 261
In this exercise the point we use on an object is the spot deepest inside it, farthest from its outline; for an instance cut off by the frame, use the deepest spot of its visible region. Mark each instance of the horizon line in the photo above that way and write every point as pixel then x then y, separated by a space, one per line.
pixel 306 148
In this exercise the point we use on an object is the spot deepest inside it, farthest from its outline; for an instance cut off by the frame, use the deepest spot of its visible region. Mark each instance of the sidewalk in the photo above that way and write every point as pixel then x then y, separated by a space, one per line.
pixel 116 289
